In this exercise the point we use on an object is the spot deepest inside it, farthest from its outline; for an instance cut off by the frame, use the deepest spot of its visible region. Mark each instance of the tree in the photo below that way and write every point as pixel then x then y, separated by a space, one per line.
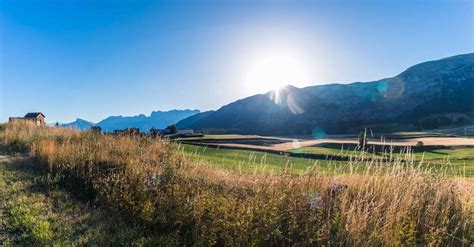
pixel 362 138
pixel 172 129
pixel 154 133
pixel 419 144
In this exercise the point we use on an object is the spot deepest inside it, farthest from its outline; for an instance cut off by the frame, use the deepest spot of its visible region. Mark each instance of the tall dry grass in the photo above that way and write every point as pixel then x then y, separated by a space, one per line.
pixel 155 184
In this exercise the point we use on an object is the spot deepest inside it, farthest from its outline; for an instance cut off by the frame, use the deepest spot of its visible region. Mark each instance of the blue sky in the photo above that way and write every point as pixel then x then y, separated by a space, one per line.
pixel 93 59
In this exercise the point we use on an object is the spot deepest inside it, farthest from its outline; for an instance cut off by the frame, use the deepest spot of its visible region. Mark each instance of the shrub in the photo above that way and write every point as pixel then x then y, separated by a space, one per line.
pixel 172 129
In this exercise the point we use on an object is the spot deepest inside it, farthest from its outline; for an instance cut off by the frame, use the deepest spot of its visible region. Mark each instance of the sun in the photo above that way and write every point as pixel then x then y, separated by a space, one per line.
pixel 274 70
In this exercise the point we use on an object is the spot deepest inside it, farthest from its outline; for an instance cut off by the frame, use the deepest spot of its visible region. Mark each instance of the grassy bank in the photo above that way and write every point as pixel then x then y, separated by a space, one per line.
pixel 38 211
pixel 157 186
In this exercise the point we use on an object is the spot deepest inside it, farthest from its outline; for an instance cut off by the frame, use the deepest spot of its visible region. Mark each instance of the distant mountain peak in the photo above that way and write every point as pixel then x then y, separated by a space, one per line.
pixel 82 120
pixel 433 87
pixel 156 119
pixel 288 87
pixel 80 124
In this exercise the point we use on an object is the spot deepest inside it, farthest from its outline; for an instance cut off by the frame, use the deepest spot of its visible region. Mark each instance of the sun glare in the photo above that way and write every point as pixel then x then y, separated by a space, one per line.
pixel 273 71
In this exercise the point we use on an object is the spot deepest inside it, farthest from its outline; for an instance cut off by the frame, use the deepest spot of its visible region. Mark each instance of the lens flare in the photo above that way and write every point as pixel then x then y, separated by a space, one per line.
pixel 318 133
pixel 293 105
pixel 296 146
pixel 393 89
pixel 275 96
pixel 282 97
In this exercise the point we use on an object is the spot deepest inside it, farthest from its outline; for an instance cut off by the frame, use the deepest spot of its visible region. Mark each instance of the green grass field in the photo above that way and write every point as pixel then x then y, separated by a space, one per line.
pixel 454 161
pixel 460 159
pixel 253 161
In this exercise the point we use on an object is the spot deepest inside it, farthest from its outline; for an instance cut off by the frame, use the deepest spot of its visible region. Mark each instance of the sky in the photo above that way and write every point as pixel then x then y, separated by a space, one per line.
pixel 93 59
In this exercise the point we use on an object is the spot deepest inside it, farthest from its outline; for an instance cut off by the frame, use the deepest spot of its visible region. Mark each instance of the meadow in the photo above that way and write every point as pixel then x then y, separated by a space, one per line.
pixel 254 162
pixel 453 161
pixel 177 198
pixel 444 160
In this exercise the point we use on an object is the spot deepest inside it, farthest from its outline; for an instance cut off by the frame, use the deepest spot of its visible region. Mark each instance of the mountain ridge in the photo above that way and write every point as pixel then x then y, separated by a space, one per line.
pixel 156 119
pixel 432 87
pixel 79 123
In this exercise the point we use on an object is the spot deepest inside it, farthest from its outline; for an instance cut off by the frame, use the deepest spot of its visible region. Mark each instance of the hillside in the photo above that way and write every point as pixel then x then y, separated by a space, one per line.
pixel 193 119
pixel 423 96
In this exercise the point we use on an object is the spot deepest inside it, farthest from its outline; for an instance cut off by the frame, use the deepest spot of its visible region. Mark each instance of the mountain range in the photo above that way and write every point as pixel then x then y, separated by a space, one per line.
pixel 80 124
pixel 157 119
pixel 423 96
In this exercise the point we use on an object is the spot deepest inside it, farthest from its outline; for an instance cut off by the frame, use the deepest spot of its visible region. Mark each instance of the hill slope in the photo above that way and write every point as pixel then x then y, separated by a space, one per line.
pixel 427 89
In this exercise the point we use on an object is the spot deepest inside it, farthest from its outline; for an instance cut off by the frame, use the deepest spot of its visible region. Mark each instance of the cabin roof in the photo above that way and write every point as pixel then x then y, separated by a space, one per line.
pixel 34 114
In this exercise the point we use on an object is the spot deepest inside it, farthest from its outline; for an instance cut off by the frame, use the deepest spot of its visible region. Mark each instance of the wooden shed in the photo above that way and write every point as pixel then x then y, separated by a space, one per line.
pixel 36 117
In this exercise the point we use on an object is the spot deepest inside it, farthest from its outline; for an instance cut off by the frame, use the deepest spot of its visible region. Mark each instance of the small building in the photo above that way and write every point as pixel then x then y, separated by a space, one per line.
pixel 36 117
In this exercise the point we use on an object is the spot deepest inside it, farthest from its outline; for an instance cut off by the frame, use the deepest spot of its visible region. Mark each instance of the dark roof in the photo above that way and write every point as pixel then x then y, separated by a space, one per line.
pixel 33 114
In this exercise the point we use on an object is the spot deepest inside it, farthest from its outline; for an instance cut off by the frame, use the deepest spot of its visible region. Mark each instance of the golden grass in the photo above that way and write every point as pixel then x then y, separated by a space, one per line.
pixel 154 183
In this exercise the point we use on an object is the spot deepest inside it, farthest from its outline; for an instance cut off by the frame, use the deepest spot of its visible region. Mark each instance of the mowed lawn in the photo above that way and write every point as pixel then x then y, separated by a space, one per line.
pixel 452 161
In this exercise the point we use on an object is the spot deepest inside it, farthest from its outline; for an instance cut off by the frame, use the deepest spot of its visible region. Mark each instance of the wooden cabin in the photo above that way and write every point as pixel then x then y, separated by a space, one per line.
pixel 36 117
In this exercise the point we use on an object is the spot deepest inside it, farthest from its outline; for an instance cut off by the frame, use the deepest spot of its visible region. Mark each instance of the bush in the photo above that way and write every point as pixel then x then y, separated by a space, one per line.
pixel 172 129
pixel 419 144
